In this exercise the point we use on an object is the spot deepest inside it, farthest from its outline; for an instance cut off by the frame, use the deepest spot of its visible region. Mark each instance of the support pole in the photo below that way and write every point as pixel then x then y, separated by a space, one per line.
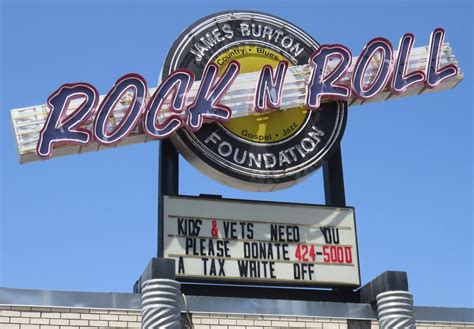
pixel 334 191
pixel 168 183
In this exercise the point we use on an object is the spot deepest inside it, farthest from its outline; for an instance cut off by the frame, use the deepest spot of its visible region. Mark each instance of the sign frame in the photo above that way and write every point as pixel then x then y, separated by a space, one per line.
pixel 251 283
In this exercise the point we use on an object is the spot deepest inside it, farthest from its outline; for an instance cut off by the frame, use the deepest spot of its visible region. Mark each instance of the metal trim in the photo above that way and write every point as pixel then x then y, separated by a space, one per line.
pixel 444 314
pixel 232 305
pixel 224 305
pixel 69 299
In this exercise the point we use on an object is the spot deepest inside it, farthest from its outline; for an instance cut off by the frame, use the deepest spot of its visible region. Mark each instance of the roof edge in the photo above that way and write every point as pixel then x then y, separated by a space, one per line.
pixel 225 305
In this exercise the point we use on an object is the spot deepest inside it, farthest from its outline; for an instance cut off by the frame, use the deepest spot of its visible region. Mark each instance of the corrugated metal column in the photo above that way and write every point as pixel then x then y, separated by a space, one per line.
pixel 388 293
pixel 395 310
pixel 161 304
pixel 161 298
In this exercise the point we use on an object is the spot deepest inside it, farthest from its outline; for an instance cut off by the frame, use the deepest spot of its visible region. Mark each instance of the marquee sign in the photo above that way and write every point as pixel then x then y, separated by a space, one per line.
pixel 265 243
pixel 248 98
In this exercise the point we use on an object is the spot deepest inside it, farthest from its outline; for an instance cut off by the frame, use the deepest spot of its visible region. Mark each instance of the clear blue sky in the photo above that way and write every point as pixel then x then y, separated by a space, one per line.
pixel 88 222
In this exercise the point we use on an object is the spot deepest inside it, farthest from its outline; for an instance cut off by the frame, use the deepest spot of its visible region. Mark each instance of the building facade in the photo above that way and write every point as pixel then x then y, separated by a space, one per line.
pixel 41 309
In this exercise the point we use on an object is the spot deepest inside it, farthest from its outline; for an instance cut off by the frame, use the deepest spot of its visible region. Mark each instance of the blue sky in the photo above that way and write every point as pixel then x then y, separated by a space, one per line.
pixel 88 222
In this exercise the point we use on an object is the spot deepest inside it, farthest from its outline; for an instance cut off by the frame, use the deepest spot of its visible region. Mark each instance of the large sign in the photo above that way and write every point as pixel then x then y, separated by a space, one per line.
pixel 263 151
pixel 260 242
pixel 248 98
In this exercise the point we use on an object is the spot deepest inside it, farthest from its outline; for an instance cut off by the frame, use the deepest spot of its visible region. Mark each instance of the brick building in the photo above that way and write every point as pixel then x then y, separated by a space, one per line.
pixel 41 309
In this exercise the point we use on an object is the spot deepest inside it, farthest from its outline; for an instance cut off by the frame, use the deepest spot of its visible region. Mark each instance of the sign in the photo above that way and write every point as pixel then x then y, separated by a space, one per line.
pixel 246 242
pixel 261 151
pixel 248 98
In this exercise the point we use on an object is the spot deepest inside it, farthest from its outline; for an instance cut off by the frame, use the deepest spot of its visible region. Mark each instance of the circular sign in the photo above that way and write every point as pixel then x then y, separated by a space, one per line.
pixel 264 151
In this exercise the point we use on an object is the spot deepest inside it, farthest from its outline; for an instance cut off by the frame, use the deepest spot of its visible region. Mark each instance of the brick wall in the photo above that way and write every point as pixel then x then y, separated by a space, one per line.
pixel 219 321
pixel 23 317
pixel 20 317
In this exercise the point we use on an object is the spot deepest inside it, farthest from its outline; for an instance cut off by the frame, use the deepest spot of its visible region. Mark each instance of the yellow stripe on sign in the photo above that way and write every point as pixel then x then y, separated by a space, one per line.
pixel 266 127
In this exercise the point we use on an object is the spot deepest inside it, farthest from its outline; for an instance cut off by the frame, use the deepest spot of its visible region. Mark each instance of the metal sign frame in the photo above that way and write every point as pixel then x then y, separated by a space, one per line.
pixel 249 280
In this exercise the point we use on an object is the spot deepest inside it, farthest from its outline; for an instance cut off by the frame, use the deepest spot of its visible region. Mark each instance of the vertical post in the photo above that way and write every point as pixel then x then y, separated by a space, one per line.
pixel 168 183
pixel 334 192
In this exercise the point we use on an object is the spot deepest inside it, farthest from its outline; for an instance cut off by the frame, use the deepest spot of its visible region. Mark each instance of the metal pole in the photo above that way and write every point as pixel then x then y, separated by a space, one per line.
pixel 334 192
pixel 168 183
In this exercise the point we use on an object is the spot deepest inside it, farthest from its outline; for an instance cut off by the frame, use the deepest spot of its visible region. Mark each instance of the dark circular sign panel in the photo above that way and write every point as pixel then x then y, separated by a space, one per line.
pixel 263 151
